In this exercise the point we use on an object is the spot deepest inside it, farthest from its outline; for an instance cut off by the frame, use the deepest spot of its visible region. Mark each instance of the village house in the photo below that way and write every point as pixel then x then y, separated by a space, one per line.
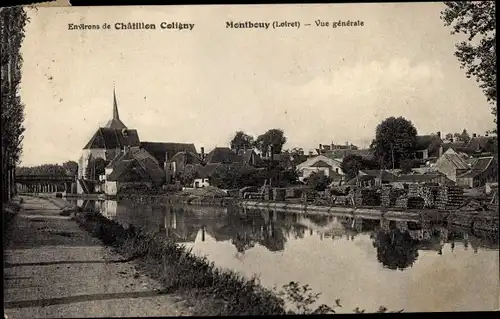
pixel 320 163
pixel 339 152
pixel 372 177
pixel 450 163
pixel 428 148
pixel 135 167
pixel 482 170
pixel 126 157
pixel 482 145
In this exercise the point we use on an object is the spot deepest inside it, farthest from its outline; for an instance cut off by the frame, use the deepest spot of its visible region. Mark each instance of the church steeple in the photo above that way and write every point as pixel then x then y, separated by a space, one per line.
pixel 115 106
pixel 115 122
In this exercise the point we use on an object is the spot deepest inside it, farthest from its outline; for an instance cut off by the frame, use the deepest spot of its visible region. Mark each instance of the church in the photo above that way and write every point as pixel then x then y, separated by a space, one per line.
pixel 127 159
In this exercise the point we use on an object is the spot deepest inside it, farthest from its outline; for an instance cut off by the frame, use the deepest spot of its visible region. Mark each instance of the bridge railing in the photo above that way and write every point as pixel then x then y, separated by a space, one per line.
pixel 52 178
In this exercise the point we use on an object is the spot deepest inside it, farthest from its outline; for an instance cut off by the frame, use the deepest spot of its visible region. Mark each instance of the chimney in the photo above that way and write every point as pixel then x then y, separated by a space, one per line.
pixel 474 135
pixel 347 143
pixel 320 147
pixel 439 134
pixel 333 145
pixel 310 153
pixel 202 150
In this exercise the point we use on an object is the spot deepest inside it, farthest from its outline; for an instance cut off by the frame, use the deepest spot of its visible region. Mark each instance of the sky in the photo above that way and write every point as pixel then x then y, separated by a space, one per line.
pixel 319 84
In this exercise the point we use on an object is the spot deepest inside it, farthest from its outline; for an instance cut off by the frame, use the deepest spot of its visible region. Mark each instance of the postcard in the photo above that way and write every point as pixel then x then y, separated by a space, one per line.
pixel 249 159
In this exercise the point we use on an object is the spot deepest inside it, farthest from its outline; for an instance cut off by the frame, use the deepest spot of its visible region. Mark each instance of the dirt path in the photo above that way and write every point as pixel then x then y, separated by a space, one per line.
pixel 54 269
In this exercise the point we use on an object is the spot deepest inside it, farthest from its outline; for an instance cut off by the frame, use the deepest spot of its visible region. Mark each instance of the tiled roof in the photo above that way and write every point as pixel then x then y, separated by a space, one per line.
pixel 221 155
pixel 190 157
pixel 108 138
pixel 205 171
pixel 159 149
pixel 375 173
pixel 455 159
pixel 136 158
pixel 420 177
pixel 341 153
pixel 482 143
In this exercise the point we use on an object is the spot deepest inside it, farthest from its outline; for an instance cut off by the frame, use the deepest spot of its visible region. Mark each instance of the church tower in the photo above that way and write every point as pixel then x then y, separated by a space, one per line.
pixel 115 122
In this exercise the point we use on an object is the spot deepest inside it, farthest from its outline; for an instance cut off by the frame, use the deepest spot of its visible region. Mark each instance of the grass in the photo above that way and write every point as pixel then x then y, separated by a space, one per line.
pixel 208 290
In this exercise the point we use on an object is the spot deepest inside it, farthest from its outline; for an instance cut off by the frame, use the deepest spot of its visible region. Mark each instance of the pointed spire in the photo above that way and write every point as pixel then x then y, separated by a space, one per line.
pixel 115 106
pixel 115 122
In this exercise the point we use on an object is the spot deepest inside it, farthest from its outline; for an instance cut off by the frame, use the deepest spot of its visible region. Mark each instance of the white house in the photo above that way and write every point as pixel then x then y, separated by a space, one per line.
pixel 320 163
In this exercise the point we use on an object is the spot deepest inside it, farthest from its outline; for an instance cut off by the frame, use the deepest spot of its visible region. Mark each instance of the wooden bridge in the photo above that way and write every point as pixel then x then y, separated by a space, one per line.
pixel 44 183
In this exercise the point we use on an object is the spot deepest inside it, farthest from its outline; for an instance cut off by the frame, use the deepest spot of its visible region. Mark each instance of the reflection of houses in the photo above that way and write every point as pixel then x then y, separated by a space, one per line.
pixel 319 164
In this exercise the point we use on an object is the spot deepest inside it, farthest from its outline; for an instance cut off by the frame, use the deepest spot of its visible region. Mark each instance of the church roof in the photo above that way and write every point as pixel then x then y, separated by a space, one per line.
pixel 108 138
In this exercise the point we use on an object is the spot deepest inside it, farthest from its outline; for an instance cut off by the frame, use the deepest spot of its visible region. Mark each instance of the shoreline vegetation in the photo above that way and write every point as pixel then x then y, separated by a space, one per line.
pixel 209 289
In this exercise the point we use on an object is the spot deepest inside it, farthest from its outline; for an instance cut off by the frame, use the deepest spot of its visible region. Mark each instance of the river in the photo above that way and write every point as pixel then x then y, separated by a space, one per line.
pixel 364 263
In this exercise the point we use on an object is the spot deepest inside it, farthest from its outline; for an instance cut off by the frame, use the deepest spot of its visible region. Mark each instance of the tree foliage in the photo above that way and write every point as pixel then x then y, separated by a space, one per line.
pixel 273 140
pixel 71 167
pixel 476 19
pixel 319 181
pixel 395 140
pixel 45 169
pixel 12 23
pixel 395 249
pixel 241 140
pixel 353 163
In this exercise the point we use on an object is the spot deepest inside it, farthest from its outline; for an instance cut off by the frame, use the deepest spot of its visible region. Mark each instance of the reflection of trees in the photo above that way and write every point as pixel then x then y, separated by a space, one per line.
pixel 395 249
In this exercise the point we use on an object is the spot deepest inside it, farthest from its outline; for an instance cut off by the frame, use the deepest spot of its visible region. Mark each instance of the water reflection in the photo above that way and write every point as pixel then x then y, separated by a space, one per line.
pixel 342 257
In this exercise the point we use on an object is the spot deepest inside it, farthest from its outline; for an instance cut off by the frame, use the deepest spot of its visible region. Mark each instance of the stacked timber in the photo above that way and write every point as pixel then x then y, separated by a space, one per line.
pixel 415 203
pixel 402 226
pixel 390 195
pixel 449 197
pixel 268 193
pixel 426 192
pixel 279 194
pixel 366 197
pixel 293 192
pixel 402 202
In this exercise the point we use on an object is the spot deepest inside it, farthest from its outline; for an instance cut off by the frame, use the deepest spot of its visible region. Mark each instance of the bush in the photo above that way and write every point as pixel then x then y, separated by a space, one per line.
pixel 318 181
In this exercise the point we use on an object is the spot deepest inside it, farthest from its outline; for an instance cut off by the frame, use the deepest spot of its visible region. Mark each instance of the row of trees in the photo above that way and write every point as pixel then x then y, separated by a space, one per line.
pixel 12 23
pixel 68 168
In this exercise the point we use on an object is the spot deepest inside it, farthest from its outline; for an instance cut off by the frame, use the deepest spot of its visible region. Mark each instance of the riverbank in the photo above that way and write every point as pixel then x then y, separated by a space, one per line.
pixel 55 269
pixel 212 291
pixel 483 220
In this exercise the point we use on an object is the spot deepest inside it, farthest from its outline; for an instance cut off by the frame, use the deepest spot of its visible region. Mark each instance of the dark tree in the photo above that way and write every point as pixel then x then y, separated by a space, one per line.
pixel 476 19
pixel 12 23
pixel 395 140
pixel 319 181
pixel 241 140
pixel 395 249
pixel 71 167
pixel 272 140
pixel 353 163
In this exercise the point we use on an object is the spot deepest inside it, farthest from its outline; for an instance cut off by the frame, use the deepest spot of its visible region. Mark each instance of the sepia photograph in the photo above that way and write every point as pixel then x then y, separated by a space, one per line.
pixel 277 159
